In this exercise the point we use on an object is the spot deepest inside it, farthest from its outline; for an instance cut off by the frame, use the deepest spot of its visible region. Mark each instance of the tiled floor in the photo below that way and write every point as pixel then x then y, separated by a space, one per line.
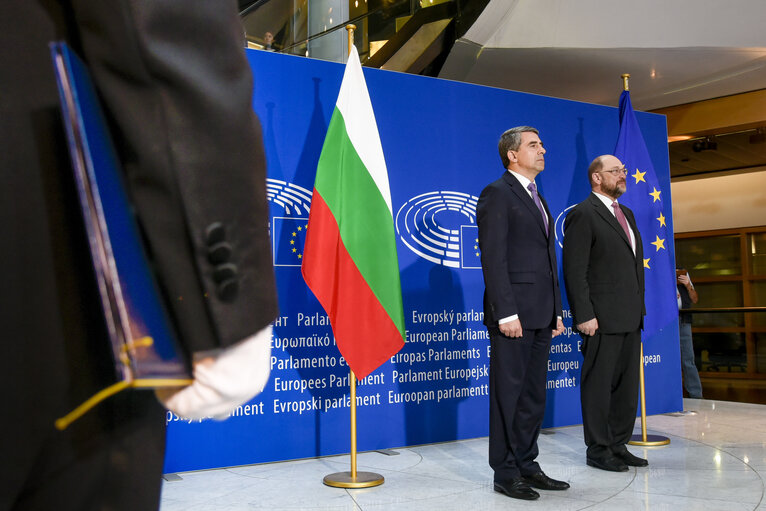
pixel 716 461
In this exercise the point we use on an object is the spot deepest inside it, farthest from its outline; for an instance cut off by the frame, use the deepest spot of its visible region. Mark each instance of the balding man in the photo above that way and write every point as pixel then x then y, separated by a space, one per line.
pixel 604 277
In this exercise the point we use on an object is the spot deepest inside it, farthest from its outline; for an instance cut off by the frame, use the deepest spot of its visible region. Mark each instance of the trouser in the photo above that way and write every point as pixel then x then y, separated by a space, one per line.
pixel 517 375
pixel 609 390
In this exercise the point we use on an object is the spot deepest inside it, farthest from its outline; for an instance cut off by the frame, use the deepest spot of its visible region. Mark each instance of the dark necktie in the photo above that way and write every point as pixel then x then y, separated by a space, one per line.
pixel 533 188
pixel 623 221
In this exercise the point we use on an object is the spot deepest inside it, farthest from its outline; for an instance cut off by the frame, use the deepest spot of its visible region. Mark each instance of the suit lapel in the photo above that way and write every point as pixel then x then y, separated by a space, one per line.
pixel 632 223
pixel 547 213
pixel 524 197
pixel 607 215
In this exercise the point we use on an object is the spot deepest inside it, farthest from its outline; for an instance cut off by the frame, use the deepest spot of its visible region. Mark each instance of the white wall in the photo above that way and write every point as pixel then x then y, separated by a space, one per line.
pixel 722 202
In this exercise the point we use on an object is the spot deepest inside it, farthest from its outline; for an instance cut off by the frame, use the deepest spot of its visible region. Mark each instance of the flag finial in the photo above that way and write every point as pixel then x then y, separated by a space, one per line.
pixel 350 28
pixel 625 77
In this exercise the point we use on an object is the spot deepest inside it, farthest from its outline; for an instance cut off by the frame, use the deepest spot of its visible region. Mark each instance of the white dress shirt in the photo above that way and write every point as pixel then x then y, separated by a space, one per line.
pixel 608 203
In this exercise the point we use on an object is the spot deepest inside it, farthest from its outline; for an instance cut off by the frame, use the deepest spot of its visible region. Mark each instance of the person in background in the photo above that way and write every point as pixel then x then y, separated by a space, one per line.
pixel 687 295
pixel 268 41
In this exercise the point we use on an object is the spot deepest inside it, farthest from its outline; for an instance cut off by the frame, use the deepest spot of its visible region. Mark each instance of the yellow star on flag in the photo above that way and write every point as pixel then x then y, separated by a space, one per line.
pixel 639 176
pixel 300 256
pixel 661 219
pixel 659 243
pixel 299 228
pixel 646 263
pixel 655 194
pixel 477 254
pixel 295 249
pixel 292 242
pixel 295 233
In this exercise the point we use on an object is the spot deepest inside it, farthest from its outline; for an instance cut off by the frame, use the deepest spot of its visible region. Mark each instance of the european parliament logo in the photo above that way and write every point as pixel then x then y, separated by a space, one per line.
pixel 558 226
pixel 288 227
pixel 441 227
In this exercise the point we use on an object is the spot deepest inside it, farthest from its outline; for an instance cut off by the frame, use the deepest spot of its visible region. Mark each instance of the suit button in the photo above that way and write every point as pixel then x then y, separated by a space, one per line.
pixel 219 253
pixel 224 272
pixel 227 290
pixel 215 233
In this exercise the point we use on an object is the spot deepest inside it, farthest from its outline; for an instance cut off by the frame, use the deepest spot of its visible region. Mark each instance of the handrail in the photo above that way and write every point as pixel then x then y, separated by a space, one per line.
pixel 724 309
pixel 253 6
pixel 353 21
pixel 423 16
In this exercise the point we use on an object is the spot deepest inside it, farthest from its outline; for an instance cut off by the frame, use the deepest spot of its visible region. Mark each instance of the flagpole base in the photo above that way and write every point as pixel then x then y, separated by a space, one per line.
pixel 651 440
pixel 344 480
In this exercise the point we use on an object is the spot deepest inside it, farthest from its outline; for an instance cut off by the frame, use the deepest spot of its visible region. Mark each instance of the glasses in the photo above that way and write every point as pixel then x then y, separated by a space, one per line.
pixel 614 172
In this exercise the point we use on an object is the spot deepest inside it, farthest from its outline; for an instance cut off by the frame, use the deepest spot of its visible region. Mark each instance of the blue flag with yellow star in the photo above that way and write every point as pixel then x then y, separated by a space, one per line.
pixel 470 256
pixel 289 236
pixel 650 204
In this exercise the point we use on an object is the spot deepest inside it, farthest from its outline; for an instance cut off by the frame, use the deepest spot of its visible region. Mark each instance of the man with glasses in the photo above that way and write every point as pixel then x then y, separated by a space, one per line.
pixel 604 277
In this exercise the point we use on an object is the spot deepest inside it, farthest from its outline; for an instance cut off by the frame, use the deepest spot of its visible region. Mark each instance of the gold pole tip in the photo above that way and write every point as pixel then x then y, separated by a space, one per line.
pixel 350 27
pixel 625 77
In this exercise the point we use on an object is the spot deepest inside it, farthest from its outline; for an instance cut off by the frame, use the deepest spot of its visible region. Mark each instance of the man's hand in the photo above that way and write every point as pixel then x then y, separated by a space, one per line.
pixel 223 379
pixel 687 283
pixel 559 328
pixel 511 328
pixel 589 327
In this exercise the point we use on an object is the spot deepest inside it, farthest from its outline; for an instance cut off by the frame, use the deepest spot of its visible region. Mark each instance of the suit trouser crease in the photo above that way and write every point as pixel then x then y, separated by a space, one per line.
pixel 609 391
pixel 518 369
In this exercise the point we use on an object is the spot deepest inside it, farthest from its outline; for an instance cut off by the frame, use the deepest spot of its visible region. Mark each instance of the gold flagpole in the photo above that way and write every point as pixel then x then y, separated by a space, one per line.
pixel 643 438
pixel 353 479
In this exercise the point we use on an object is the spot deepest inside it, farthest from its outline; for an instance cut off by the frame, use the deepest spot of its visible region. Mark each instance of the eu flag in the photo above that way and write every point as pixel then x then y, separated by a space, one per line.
pixel 470 256
pixel 651 206
pixel 289 235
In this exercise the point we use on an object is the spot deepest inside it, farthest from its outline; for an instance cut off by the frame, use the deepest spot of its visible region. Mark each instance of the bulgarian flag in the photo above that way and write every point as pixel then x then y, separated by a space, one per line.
pixel 349 259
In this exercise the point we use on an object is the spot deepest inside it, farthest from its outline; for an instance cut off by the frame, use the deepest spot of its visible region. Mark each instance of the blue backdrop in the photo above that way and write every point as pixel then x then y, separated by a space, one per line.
pixel 440 142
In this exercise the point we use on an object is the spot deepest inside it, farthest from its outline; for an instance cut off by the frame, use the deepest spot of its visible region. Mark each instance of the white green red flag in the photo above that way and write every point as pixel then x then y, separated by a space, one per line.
pixel 349 259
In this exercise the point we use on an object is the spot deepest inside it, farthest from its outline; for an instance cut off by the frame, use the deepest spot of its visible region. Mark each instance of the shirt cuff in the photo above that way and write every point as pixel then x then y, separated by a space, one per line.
pixel 508 319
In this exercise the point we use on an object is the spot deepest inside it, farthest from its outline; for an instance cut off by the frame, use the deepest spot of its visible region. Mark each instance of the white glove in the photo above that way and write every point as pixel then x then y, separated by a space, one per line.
pixel 223 379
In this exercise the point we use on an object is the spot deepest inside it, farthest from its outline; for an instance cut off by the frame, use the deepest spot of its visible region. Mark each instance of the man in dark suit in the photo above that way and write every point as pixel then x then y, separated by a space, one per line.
pixel 522 311
pixel 604 276
pixel 177 90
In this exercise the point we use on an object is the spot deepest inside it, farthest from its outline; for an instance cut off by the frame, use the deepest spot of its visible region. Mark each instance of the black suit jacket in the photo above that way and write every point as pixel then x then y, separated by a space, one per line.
pixel 518 259
pixel 604 279
pixel 177 89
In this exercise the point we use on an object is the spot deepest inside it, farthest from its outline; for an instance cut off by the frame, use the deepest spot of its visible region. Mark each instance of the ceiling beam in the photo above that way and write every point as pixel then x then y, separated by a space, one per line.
pixel 715 116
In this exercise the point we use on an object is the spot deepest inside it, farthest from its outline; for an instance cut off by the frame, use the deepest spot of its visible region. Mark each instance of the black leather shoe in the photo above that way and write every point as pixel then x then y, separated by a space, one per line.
pixel 609 463
pixel 543 482
pixel 631 460
pixel 516 489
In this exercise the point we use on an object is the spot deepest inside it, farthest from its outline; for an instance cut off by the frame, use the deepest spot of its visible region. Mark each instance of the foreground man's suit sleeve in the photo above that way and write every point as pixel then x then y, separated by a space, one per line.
pixel 177 88
pixel 190 144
